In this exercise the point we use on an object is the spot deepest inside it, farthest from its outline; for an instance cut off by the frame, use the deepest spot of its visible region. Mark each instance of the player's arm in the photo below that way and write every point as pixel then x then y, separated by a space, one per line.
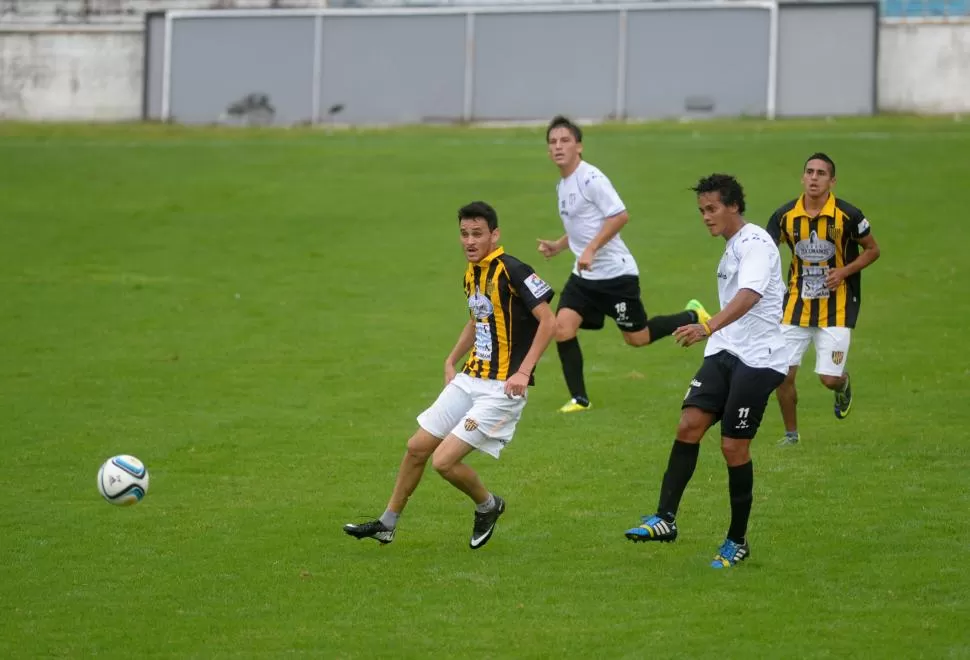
pixel 740 304
pixel 536 294
pixel 862 234
pixel 518 383
pixel 464 344
pixel 544 334
pixel 754 275
pixel 599 190
pixel 774 227
pixel 611 227
pixel 552 248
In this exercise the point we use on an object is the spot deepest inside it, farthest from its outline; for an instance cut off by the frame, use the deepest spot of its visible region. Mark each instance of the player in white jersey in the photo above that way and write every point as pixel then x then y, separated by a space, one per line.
pixel 745 360
pixel 605 280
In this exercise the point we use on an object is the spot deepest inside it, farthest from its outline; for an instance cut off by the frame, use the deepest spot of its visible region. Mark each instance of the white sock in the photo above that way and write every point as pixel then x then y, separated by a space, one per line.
pixel 487 505
pixel 389 519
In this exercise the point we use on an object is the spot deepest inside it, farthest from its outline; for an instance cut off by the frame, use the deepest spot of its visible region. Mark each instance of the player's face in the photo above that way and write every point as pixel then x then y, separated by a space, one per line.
pixel 817 179
pixel 564 150
pixel 476 239
pixel 717 216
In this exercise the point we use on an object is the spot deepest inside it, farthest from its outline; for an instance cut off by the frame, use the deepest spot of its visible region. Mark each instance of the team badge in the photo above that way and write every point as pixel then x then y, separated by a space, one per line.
pixel 837 357
pixel 470 424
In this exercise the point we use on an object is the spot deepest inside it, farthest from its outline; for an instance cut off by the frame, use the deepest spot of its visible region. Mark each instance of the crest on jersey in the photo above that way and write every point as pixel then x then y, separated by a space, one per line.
pixel 837 357
pixel 470 424
pixel 814 250
pixel 480 306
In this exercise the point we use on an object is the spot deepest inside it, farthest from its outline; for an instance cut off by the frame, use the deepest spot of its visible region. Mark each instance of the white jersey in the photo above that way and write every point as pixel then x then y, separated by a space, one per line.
pixel 586 200
pixel 751 261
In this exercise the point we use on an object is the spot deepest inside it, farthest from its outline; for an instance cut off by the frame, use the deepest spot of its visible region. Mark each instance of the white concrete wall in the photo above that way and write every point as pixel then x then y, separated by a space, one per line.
pixel 924 67
pixel 71 74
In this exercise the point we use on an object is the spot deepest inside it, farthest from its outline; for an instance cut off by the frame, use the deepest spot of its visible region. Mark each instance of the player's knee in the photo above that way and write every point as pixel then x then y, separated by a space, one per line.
pixel 691 427
pixel 639 338
pixel 832 382
pixel 735 452
pixel 564 332
pixel 442 465
pixel 421 446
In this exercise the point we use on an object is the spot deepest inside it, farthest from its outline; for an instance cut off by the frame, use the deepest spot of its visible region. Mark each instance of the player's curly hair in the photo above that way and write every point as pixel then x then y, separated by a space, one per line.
pixel 559 121
pixel 479 210
pixel 724 184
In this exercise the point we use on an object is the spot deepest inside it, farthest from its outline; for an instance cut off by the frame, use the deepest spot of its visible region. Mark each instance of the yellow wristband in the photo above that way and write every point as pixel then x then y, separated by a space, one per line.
pixel 707 328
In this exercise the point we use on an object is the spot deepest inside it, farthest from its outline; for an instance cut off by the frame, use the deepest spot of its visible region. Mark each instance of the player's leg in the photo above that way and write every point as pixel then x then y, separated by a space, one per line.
pixel 576 310
pixel 488 427
pixel 447 460
pixel 831 355
pixel 624 304
pixel 434 424
pixel 701 408
pixel 419 449
pixel 750 391
pixel 797 340
pixel 787 396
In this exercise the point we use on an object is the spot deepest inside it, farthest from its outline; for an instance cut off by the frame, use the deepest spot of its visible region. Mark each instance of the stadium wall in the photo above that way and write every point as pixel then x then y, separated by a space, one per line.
pixel 90 73
pixel 924 67
pixel 96 72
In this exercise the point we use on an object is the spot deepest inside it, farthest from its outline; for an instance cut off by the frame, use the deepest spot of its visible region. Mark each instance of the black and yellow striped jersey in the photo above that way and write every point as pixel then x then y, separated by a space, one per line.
pixel 828 240
pixel 502 292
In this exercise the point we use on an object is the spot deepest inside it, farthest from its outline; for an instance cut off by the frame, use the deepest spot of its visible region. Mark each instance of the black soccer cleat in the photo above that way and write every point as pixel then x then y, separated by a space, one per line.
pixel 843 399
pixel 485 524
pixel 373 529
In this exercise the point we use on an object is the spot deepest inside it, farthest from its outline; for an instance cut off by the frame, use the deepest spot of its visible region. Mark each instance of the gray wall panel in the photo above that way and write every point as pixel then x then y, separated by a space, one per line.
pixel 681 56
pixel 827 60
pixel 154 53
pixel 389 69
pixel 216 61
pixel 530 66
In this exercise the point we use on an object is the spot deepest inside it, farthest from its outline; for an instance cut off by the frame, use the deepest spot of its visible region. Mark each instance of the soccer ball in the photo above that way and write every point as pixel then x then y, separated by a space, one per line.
pixel 123 480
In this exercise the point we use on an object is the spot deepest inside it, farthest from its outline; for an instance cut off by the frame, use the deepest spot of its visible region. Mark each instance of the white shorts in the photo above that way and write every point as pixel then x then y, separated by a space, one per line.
pixel 477 411
pixel 831 347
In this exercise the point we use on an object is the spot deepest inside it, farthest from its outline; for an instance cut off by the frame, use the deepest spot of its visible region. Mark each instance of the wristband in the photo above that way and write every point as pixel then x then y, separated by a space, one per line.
pixel 707 328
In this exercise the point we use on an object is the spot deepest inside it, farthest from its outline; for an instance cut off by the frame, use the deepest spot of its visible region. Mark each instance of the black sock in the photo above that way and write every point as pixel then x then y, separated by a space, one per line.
pixel 662 326
pixel 741 487
pixel 680 468
pixel 572 369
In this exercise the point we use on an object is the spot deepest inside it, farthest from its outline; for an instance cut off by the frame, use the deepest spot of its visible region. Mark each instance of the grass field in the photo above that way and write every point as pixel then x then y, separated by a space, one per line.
pixel 259 316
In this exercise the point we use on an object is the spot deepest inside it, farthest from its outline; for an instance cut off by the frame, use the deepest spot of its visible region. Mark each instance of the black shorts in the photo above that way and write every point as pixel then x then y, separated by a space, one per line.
pixel 594 300
pixel 736 393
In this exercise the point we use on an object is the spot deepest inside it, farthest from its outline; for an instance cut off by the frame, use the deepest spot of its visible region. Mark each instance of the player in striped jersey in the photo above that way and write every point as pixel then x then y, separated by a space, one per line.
pixel 510 324
pixel 824 234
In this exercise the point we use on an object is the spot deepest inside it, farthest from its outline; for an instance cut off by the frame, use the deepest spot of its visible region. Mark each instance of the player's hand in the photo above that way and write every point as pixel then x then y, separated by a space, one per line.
pixel 688 335
pixel 549 248
pixel 450 372
pixel 835 277
pixel 516 385
pixel 585 261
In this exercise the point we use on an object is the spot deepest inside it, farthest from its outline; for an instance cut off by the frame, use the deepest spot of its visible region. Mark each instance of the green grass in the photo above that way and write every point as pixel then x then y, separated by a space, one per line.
pixel 259 316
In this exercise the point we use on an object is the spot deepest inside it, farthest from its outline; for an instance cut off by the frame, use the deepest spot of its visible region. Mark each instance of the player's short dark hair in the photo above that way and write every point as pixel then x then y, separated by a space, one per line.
pixel 479 210
pixel 818 155
pixel 724 184
pixel 559 121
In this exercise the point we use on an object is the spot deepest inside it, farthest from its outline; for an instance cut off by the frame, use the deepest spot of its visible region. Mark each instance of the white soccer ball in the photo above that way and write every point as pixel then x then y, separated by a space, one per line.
pixel 123 480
